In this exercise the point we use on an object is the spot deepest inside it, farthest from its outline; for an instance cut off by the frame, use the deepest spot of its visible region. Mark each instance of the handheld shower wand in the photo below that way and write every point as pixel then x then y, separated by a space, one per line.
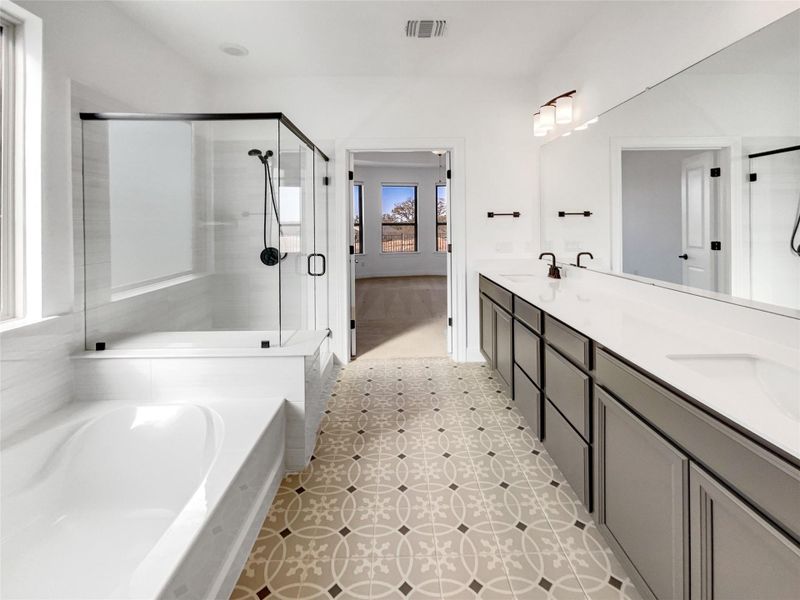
pixel 270 255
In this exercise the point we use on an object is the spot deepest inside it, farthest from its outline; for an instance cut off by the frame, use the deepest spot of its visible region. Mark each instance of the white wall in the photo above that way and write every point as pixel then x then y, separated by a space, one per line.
pixel 426 261
pixel 651 213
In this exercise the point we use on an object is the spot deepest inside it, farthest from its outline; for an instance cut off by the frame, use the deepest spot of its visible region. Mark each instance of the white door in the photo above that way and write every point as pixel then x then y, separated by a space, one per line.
pixel 697 213
pixel 449 325
pixel 351 250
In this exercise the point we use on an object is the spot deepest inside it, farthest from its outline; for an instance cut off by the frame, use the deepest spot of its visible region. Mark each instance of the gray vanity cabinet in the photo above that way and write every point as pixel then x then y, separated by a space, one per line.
pixel 694 507
pixel 736 554
pixel 641 486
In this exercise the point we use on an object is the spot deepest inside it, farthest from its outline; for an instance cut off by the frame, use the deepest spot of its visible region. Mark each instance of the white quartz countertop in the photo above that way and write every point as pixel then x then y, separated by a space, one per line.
pixel 747 372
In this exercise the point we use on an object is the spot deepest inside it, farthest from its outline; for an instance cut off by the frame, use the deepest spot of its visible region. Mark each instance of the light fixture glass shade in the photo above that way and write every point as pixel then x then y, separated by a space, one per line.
pixel 538 130
pixel 564 109
pixel 548 116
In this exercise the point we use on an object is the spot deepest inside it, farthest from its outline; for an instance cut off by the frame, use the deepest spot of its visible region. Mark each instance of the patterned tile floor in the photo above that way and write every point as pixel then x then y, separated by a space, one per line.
pixel 426 483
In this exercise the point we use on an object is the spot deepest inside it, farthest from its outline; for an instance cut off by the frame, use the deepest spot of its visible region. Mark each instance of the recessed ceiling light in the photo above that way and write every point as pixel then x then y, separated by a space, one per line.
pixel 234 49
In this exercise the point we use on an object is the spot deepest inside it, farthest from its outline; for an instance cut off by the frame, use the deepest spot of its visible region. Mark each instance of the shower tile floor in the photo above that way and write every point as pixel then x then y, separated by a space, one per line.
pixel 427 483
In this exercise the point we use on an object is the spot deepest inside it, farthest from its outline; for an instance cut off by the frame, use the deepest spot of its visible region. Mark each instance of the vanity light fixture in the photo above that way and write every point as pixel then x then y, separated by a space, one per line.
pixel 559 111
pixel 564 109
pixel 538 130
pixel 547 117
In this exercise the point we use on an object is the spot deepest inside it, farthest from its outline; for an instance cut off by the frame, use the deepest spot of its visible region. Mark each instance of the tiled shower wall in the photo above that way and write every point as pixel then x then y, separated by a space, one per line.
pixel 244 291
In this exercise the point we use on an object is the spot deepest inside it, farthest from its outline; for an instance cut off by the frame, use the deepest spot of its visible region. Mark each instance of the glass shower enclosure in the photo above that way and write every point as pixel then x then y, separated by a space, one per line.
pixel 196 223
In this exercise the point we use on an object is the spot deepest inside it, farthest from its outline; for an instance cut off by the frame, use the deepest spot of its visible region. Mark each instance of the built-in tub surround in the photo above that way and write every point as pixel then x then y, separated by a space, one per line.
pixel 138 500
pixel 751 359
pixel 214 365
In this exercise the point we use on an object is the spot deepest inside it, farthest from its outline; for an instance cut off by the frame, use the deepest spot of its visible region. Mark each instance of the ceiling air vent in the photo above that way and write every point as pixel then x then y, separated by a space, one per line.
pixel 425 29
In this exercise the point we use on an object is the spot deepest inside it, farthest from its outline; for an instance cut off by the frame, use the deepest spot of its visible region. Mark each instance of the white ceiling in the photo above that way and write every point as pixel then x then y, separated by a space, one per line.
pixel 300 38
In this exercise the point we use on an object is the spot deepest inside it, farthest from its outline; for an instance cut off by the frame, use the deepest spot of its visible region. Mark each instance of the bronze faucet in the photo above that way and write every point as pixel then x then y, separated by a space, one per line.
pixel 554 272
pixel 578 259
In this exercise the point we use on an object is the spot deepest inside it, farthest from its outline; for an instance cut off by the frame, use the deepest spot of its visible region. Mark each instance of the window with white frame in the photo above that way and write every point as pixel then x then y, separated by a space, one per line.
pixel 8 238
pixel 20 160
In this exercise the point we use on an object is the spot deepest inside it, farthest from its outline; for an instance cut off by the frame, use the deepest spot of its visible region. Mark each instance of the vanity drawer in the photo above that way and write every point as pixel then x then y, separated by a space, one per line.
pixel 570 389
pixel 527 352
pixel 762 477
pixel 570 452
pixel 529 400
pixel 528 314
pixel 573 344
pixel 498 295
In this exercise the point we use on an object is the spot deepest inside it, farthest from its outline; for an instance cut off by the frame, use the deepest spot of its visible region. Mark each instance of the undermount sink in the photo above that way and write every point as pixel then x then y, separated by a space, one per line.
pixel 753 376
pixel 520 278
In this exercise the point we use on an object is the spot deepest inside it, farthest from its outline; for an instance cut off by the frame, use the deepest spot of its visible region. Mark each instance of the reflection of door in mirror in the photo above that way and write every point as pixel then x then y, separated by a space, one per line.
pixel 698 212
pixel 672 210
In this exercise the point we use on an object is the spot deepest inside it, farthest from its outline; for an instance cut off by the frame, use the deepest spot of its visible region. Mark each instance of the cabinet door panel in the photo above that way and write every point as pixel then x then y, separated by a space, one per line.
pixel 487 329
pixel 528 314
pixel 641 497
pixel 736 554
pixel 503 341
pixel 569 452
pixel 527 351
pixel 569 389
pixel 571 342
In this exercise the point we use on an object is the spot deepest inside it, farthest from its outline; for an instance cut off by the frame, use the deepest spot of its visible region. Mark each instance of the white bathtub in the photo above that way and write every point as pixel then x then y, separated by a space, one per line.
pixel 188 365
pixel 122 500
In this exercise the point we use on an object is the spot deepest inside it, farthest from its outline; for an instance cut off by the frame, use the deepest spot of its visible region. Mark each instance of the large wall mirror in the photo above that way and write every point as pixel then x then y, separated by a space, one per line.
pixel 694 183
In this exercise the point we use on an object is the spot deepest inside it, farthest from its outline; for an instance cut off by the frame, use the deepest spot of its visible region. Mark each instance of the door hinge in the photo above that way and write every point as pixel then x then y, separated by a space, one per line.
pixel 753 177
pixel 449 321
pixel 352 249
pixel 449 173
pixel 326 180
pixel 352 323
pixel 716 245
pixel 450 248
pixel 716 172
pixel 351 175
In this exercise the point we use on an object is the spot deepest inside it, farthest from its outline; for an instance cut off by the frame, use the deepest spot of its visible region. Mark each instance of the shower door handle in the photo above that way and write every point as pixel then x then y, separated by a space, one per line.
pixel 324 264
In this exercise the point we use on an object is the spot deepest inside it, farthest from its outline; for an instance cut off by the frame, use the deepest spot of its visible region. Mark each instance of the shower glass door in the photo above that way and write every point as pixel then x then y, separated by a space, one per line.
pixel 319 264
pixel 774 238
pixel 296 214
